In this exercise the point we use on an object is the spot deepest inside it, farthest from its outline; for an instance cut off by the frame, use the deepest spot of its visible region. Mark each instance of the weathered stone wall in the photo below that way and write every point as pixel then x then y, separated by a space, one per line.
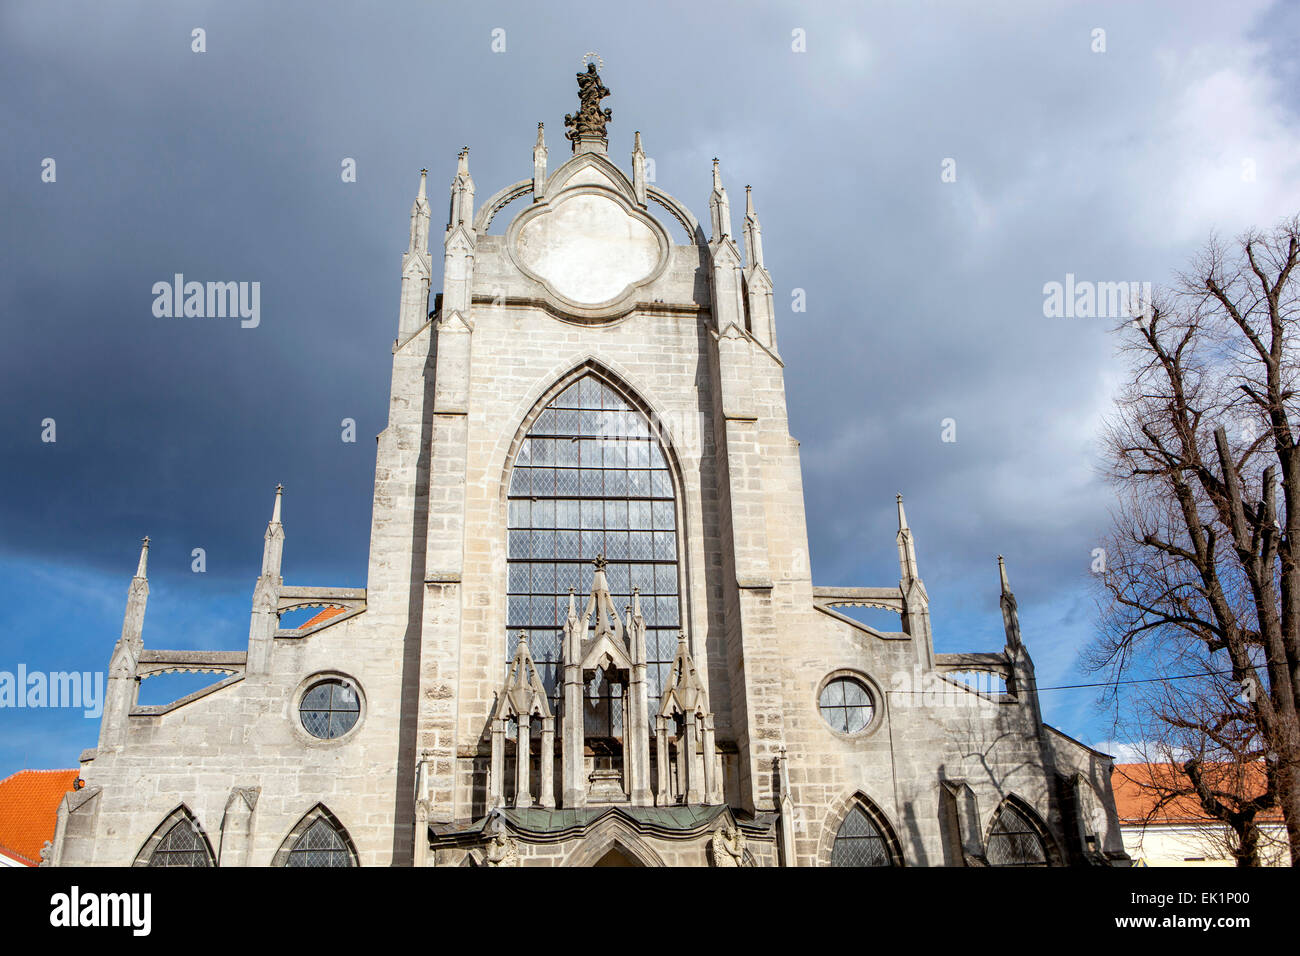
pixel 248 735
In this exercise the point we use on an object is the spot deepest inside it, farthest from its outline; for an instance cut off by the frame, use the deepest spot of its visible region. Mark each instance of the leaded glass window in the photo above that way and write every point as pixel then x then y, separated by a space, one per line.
pixel 591 479
pixel 330 709
pixel 321 845
pixel 846 705
pixel 859 842
pixel 182 845
pixel 1014 841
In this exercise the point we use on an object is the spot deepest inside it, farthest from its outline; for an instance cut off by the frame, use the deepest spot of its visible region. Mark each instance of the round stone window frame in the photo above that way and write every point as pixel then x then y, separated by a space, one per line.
pixel 306 685
pixel 873 691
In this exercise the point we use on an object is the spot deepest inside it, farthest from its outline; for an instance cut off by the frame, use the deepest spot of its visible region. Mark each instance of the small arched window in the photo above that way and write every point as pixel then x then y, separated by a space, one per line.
pixel 320 845
pixel 1015 841
pixel 182 845
pixel 861 841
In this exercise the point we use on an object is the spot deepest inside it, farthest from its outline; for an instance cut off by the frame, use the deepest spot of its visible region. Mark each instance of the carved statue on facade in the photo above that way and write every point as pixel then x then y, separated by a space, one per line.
pixel 501 851
pixel 728 847
pixel 590 119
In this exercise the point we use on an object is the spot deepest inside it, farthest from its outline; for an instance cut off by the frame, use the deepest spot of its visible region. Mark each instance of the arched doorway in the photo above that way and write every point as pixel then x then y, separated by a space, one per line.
pixel 615 857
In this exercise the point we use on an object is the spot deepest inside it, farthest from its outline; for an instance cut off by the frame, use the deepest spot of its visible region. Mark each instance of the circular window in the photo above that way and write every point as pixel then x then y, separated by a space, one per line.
pixel 846 705
pixel 330 709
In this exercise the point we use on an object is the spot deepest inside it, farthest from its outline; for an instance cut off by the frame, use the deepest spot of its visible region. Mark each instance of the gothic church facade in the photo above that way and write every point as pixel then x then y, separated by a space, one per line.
pixel 589 634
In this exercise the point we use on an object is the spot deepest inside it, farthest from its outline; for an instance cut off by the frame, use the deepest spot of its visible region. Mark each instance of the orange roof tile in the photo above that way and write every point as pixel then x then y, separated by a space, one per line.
pixel 325 614
pixel 29 805
pixel 1138 787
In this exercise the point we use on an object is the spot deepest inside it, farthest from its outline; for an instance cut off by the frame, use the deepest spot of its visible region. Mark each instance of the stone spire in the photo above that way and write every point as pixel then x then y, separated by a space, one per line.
pixel 916 602
pixel 753 233
pixel 1010 613
pixel 273 546
pixel 458 248
pixel 607 621
pixel 420 218
pixel 719 206
pixel 123 687
pixel 586 128
pixel 462 193
pixel 1021 682
pixel 265 616
pixel 141 567
pixel 522 698
pixel 635 628
pixel 758 284
pixel 684 696
pixel 539 164
pixel 137 596
pixel 417 267
pixel 906 549
pixel 639 170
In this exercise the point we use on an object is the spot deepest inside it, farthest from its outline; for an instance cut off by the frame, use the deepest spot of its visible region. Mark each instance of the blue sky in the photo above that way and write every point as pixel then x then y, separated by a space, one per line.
pixel 924 297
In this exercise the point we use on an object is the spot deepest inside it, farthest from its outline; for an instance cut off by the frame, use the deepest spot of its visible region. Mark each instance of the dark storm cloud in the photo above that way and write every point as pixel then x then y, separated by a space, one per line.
pixel 924 298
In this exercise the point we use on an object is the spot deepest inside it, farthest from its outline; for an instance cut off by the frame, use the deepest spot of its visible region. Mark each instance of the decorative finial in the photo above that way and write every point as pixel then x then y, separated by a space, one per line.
pixel 590 119
pixel 275 512
pixel 1002 573
pixel 902 515
pixel 598 563
pixel 541 134
pixel 424 175
pixel 140 569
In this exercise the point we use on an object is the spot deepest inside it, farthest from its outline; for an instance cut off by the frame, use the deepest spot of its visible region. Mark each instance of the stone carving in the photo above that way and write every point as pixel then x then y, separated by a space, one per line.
pixel 248 795
pixel 728 847
pixel 47 848
pixel 590 119
pixel 501 851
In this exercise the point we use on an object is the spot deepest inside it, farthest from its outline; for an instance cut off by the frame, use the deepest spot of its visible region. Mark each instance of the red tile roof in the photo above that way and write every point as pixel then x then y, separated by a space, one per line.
pixel 1138 787
pixel 29 805
pixel 325 614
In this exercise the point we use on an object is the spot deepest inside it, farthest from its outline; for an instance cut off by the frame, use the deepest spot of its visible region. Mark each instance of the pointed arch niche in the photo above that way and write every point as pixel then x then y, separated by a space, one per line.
pixel 612 843
pixel 590 475
pixel 178 841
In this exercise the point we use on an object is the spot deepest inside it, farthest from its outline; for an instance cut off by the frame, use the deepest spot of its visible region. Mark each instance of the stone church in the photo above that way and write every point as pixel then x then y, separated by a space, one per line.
pixel 589 634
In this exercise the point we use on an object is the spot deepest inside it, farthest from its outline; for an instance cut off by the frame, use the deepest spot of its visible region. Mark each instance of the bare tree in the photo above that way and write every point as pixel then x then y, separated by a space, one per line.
pixel 1203 452
pixel 1202 754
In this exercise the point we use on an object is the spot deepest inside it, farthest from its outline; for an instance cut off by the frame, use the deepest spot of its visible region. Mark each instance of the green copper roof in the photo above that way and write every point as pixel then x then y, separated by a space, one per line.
pixel 539 820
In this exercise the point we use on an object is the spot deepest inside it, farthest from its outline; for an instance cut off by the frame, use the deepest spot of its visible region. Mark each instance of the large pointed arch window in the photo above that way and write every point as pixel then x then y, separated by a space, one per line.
pixel 182 846
pixel 1015 839
pixel 319 839
pixel 178 841
pixel 591 479
pixel 864 839
pixel 321 845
